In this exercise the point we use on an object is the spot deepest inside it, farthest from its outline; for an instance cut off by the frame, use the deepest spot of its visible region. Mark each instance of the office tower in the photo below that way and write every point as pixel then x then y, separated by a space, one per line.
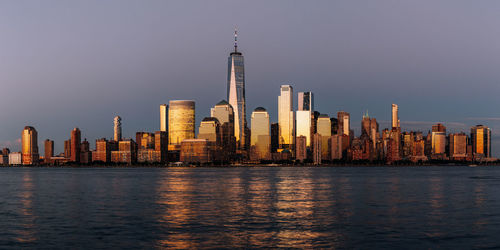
pixel 85 154
pixel 117 128
pixel 305 101
pixel 344 120
pixel 481 141
pixel 286 118
pixel 195 151
pixel 29 146
pixel 145 140
pixel 164 117
pixel 236 93
pixel 335 125
pixel 210 130
pixel 5 156
pixel 260 142
pixel 369 130
pixel 438 139
pixel 335 145
pixel 49 149
pixel 324 129
pixel 224 113
pixel 161 146
pixel 275 137
pixel 126 153
pixel 458 146
pixel 317 149
pixel 181 122
pixel 67 149
pixel 300 148
pixel 395 117
pixel 304 126
pixel 103 150
pixel 75 145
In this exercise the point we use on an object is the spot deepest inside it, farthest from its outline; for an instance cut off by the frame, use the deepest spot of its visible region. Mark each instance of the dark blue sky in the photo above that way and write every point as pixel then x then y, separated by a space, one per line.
pixel 66 64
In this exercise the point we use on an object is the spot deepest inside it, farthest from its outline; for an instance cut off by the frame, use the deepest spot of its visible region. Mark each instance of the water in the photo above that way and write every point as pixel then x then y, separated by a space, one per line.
pixel 369 207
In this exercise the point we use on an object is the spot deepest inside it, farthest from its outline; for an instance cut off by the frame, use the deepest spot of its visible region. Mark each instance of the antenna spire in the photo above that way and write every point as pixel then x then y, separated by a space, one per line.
pixel 235 39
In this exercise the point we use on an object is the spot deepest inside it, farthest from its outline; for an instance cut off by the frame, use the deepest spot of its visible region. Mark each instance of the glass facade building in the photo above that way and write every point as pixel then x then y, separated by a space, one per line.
pixel 163 117
pixel 260 142
pixel 481 141
pixel 304 125
pixel 306 101
pixel 117 128
pixel 236 94
pixel 29 145
pixel 286 118
pixel 181 122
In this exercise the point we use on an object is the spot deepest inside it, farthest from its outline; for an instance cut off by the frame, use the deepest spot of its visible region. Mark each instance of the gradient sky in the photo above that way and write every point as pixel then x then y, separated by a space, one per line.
pixel 66 64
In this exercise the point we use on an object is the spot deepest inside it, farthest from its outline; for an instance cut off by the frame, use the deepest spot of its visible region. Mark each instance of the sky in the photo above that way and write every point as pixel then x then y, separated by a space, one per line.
pixel 66 64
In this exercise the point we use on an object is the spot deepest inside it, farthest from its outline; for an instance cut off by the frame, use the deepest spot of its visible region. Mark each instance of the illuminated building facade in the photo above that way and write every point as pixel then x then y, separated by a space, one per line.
pixel 344 120
pixel 75 145
pixel 49 149
pixel 458 146
pixel 324 129
pixel 286 118
pixel 395 116
pixel 195 151
pixel 181 122
pixel 164 117
pixel 29 145
pixel 481 141
pixel 117 128
pixel 260 141
pixel 224 113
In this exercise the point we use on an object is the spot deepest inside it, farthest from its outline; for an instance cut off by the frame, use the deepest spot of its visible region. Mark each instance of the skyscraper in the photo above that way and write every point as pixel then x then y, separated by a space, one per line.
pixel 117 128
pixel 395 117
pixel 181 122
pixel 344 120
pixel 29 141
pixel 481 141
pixel 224 113
pixel 286 118
pixel 163 118
pixel 75 145
pixel 260 142
pixel 324 131
pixel 438 139
pixel 49 149
pixel 236 93
pixel 306 101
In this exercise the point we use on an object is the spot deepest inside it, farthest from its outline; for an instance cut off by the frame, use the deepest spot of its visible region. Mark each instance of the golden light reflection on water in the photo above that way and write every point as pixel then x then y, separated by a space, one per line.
pixel 27 232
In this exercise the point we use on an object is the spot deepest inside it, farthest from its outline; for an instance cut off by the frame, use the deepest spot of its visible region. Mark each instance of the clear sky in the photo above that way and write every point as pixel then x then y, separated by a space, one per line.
pixel 66 64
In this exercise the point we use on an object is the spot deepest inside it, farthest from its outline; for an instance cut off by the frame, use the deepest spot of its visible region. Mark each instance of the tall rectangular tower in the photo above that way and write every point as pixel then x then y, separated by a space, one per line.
pixel 286 118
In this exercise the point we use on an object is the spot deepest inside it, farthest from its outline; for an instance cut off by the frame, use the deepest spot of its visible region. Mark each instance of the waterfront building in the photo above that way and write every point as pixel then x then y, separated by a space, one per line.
pixel 304 126
pixel 481 141
pixel 29 145
pixel 408 140
pixel 49 149
pixel 15 158
pixel 103 150
pixel 335 145
pixel 438 141
pixel 195 151
pixel 301 148
pixel 161 146
pixel 210 129
pixel 117 128
pixel 335 125
pixel 458 146
pixel 260 142
pixel 126 153
pixel 75 145
pixel 67 149
pixel 4 158
pixel 324 129
pixel 181 122
pixel 317 149
pixel 164 117
pixel 286 118
pixel 85 153
pixel 145 140
pixel 236 94
pixel 418 151
pixel 224 113
pixel 275 137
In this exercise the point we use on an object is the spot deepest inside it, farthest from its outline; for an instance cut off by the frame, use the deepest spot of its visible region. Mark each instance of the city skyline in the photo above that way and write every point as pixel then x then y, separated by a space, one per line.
pixel 435 100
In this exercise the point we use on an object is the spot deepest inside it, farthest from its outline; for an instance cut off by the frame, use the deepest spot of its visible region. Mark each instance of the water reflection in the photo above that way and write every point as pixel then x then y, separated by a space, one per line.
pixel 26 233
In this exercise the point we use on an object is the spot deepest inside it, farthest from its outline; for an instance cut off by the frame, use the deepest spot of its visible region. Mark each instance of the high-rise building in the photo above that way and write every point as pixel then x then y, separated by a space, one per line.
pixel 481 141
pixel 305 101
pixel 181 122
pixel 335 145
pixel 303 123
pixel 344 120
pixel 195 151
pixel 126 153
pixel 164 117
pixel 395 117
pixel 75 145
pixel 438 139
pixel 103 150
pixel 85 154
pixel 49 149
pixel 317 149
pixel 236 93
pixel 145 140
pixel 300 148
pixel 286 118
pixel 29 146
pixel 325 131
pixel 260 142
pixel 210 130
pixel 67 149
pixel 161 145
pixel 458 146
pixel 117 128
pixel 224 113
pixel 275 137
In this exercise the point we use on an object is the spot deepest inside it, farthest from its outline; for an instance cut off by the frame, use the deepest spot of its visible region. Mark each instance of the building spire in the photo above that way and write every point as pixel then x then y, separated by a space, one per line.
pixel 235 39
